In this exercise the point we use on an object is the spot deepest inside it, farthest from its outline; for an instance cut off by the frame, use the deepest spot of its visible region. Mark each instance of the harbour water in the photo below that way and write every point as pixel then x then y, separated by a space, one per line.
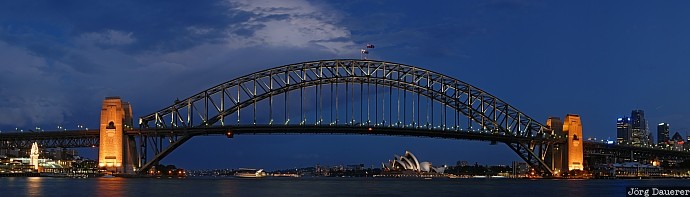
pixel 46 186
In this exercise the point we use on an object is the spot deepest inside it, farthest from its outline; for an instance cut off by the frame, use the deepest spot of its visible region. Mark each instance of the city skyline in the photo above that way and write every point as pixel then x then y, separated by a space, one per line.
pixel 541 58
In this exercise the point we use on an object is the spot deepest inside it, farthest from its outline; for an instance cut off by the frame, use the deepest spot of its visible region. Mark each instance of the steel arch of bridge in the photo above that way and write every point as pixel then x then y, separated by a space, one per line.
pixel 207 112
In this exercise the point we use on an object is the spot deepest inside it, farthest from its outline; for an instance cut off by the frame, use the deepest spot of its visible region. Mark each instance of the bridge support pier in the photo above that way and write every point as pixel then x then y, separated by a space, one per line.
pixel 566 155
pixel 114 154
pixel 572 126
pixel 557 157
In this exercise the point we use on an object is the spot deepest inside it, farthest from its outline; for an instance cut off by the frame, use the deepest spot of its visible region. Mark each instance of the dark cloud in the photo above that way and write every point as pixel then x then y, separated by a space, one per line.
pixel 400 33
pixel 157 25
pixel 80 52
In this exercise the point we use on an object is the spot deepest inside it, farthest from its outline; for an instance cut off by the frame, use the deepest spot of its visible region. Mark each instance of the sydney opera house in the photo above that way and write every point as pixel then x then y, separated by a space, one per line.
pixel 409 166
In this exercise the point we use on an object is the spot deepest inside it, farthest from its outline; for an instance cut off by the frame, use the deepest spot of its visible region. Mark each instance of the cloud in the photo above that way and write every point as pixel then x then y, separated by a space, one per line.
pixel 59 73
pixel 30 93
pixel 289 24
pixel 107 38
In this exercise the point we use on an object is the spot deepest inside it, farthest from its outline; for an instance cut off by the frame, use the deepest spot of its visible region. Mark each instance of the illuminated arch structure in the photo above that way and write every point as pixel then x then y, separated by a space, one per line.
pixel 349 97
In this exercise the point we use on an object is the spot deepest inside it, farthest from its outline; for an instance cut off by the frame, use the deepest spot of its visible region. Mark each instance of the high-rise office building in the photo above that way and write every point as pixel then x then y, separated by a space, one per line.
pixel 662 133
pixel 640 135
pixel 623 131
pixel 650 138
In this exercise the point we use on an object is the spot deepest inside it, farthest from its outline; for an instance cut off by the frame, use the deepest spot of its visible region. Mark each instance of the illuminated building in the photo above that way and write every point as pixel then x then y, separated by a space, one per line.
pixel 115 116
pixel 572 126
pixel 677 137
pixel 677 141
pixel 662 133
pixel 623 131
pixel 638 127
pixel 635 170
pixel 34 156
pixel 520 169
pixel 409 162
pixel 406 162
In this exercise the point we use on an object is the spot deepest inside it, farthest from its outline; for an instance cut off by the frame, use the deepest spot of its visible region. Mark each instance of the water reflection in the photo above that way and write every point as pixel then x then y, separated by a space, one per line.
pixel 201 187
pixel 227 188
pixel 33 186
pixel 110 187
pixel 575 186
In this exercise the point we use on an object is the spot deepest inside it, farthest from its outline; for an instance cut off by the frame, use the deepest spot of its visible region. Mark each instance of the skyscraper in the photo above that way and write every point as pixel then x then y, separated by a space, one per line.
pixel 640 135
pixel 662 133
pixel 623 130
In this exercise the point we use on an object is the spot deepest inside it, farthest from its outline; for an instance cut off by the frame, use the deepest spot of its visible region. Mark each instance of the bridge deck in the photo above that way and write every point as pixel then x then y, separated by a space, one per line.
pixel 49 135
pixel 24 139
pixel 52 139
pixel 357 130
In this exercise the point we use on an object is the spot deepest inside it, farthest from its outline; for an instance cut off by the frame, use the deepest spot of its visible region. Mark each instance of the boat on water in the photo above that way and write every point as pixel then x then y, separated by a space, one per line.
pixel 250 173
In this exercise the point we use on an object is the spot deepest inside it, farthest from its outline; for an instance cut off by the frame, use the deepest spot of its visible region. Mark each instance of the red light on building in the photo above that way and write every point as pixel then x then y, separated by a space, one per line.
pixel 229 134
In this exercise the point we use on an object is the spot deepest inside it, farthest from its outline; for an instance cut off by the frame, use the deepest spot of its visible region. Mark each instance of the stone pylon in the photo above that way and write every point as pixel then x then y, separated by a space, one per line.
pixel 116 117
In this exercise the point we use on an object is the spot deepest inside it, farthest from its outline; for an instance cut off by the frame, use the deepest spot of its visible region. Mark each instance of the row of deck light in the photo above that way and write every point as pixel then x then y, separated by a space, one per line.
pixel 59 127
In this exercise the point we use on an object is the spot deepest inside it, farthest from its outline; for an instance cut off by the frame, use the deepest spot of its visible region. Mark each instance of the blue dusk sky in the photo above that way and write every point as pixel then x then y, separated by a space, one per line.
pixel 598 59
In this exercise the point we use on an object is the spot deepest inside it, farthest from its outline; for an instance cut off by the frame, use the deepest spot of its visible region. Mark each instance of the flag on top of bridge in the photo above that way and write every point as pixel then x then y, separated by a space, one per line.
pixel 370 46
pixel 364 51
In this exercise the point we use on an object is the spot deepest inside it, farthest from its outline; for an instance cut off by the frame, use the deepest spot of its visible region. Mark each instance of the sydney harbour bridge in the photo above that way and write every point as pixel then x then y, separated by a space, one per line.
pixel 365 97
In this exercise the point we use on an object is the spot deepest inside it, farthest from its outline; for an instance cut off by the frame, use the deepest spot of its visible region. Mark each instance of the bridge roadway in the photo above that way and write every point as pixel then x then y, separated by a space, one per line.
pixel 592 148
pixel 50 139
pixel 325 129
pixel 90 138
